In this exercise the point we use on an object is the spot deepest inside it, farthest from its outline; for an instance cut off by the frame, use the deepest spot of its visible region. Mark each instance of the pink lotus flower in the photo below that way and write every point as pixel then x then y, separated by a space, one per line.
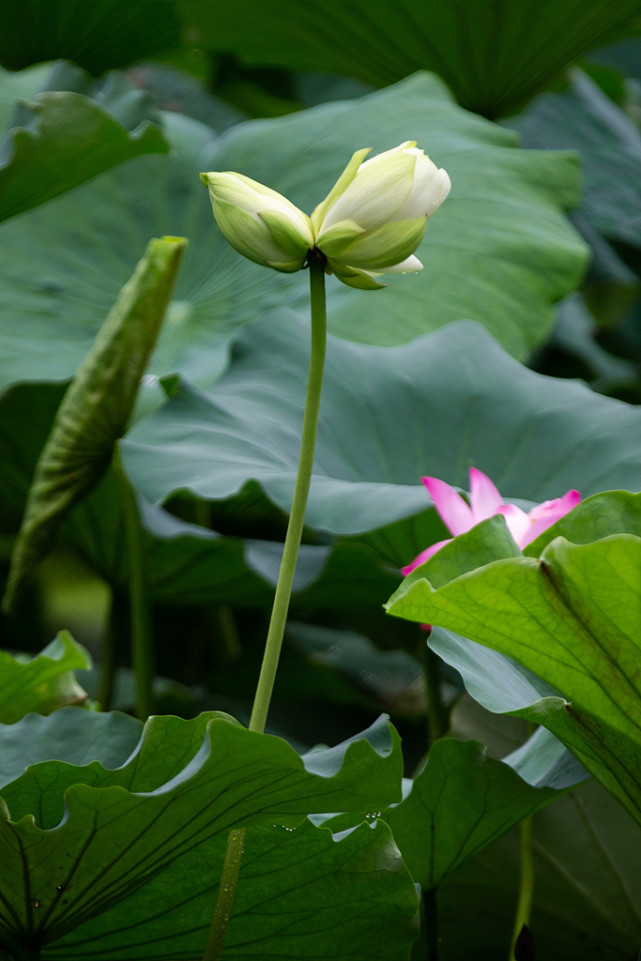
pixel 485 501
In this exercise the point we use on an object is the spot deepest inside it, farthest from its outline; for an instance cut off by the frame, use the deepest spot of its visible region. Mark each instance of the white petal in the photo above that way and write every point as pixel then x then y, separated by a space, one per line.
pixel 429 189
pixel 375 194
pixel 410 265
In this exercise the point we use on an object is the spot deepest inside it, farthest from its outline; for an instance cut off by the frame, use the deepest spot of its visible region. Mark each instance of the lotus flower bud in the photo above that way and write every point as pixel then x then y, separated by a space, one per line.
pixel 375 216
pixel 371 222
pixel 258 222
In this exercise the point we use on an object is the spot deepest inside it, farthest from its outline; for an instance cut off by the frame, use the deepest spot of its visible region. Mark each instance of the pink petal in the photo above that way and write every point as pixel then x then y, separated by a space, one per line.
pixel 518 522
pixel 556 508
pixel 544 515
pixel 424 556
pixel 484 496
pixel 454 512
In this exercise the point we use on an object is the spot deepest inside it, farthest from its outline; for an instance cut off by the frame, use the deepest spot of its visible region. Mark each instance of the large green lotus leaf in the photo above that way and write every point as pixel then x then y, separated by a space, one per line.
pixel 96 407
pixel 60 139
pixel 459 804
pixel 583 118
pixel 504 686
pixel 186 784
pixel 98 37
pixel 302 894
pixel 499 683
pixel 42 683
pixel 500 250
pixel 449 400
pixel 493 54
pixel 586 893
pixel 183 759
pixel 572 616
pixel 70 736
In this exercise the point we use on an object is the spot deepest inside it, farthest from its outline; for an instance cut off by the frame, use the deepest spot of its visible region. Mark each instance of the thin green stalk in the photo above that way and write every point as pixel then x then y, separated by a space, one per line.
pixel 297 515
pixel 227 633
pixel 141 640
pixel 437 713
pixel 437 717
pixel 526 879
pixel 273 644
pixel 526 885
pixel 437 723
pixel 107 675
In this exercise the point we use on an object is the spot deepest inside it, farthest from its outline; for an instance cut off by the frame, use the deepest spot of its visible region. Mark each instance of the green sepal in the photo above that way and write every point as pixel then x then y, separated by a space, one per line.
pixel 340 236
pixel 244 232
pixel 286 267
pixel 285 234
pixel 95 410
pixel 353 277
pixel 387 245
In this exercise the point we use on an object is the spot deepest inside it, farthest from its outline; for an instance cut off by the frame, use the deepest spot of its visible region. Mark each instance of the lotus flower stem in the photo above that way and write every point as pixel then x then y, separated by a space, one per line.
pixel 104 694
pixel 526 879
pixel 141 641
pixel 236 838
pixel 437 712
pixel 526 886
pixel 297 515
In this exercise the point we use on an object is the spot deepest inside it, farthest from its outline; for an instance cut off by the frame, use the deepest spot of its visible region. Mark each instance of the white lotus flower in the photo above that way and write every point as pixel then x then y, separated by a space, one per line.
pixel 370 223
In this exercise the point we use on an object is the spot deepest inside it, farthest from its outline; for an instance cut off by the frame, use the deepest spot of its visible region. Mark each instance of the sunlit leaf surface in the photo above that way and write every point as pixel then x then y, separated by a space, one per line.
pixel 571 615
